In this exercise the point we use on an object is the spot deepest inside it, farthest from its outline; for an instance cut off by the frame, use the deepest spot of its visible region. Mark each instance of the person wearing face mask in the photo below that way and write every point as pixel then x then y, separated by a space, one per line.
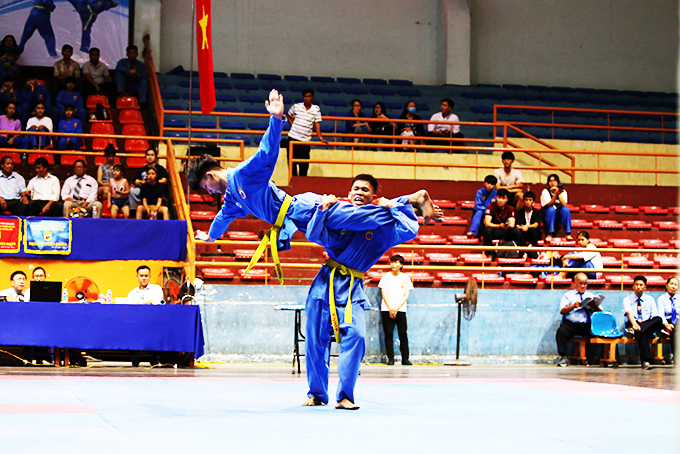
pixel 668 310
pixel 642 318
pixel 410 129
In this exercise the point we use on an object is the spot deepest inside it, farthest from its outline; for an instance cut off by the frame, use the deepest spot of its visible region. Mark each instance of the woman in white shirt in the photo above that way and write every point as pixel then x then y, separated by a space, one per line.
pixel 39 123
pixel 583 259
pixel 554 207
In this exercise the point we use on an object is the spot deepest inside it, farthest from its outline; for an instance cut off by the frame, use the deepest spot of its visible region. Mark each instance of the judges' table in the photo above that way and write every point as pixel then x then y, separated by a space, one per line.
pixel 93 326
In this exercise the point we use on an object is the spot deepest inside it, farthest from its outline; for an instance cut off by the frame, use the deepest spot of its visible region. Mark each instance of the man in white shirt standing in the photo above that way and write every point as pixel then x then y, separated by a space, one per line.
pixel 16 291
pixel 80 190
pixel 511 179
pixel 444 130
pixel 44 191
pixel 145 293
pixel 395 287
pixel 642 318
pixel 303 117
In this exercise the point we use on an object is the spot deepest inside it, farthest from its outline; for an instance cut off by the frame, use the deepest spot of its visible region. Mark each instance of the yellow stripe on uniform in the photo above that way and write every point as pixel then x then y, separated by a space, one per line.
pixel 272 235
pixel 344 270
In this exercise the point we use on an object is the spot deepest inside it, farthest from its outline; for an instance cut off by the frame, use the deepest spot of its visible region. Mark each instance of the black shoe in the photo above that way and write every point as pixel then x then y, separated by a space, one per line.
pixel 646 366
pixel 406 362
pixel 563 362
pixel 390 361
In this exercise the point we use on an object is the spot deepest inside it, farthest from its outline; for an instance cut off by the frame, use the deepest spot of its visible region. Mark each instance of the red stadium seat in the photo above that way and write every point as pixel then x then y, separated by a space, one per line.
pixel 622 242
pixel 597 281
pixel 653 243
pixel 462 239
pixel 202 215
pixel 638 262
pixel 666 225
pixel 541 262
pixel 127 102
pixel 16 157
pixel 444 203
pixel 127 117
pixel 561 242
pixel 656 280
pixel 99 160
pixel 624 209
pixel 195 198
pixel 217 273
pixel 412 257
pixel 667 262
pixel 595 209
pixel 616 279
pixel 508 261
pixel 135 145
pixel 241 236
pixel 454 220
pixel 384 258
pixel 598 242
pixel 95 99
pixel 537 206
pixel 374 275
pixel 255 274
pixel 518 278
pixel 422 276
pixel 610 262
pixel 466 204
pixel 581 224
pixel 675 244
pixel 556 280
pixel 674 210
pixel 637 225
pixel 430 239
pixel 457 278
pixel 609 224
pixel 573 208
pixel 246 254
pixel 474 259
pixel 33 156
pixel 70 159
pixel 441 258
pixel 135 163
pixel 488 278
pixel 653 210
pixel 98 143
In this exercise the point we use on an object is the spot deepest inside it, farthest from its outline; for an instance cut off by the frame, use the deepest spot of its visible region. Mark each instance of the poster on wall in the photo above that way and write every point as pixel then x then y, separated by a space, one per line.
pixel 47 236
pixel 42 27
pixel 10 234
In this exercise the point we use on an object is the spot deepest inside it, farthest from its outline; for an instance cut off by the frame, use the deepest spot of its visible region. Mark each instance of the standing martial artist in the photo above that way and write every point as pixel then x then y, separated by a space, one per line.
pixel 643 318
pixel 40 18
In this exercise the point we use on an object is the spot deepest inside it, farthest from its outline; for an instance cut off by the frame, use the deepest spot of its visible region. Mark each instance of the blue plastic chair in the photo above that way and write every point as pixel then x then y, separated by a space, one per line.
pixel 603 324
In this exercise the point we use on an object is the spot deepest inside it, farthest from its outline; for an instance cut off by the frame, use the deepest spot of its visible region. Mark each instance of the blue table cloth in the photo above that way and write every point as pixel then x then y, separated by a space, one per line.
pixel 94 326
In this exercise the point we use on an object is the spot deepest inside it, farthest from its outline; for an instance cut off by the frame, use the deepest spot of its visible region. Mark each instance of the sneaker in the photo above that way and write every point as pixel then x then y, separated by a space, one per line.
pixel 406 362
pixel 390 361
pixel 563 362
pixel 630 333
pixel 646 366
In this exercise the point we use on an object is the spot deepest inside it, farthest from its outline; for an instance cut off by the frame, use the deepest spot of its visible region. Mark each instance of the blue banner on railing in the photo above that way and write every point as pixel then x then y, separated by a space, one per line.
pixel 47 236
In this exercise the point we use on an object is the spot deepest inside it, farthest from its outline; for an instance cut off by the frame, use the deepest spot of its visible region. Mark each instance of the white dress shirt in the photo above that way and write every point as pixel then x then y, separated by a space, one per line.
pixel 44 188
pixel 151 294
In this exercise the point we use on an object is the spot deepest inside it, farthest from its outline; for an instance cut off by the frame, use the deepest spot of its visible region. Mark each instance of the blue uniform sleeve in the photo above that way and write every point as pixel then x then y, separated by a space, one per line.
pixel 60 98
pixel 260 166
pixel 346 216
pixel 78 126
pixel 62 126
pixel 122 68
pixel 221 222
pixel 479 200
pixel 141 69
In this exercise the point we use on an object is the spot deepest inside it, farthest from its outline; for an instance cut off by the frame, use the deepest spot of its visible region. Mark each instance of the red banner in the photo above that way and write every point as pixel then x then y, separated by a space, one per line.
pixel 10 234
pixel 205 55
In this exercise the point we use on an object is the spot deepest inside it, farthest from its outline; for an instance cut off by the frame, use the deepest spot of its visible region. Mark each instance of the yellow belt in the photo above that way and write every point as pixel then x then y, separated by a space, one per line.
pixel 92 14
pixel 271 235
pixel 344 270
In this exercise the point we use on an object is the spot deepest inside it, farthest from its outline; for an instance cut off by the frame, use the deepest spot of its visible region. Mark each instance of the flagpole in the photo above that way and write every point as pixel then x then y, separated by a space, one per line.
pixel 191 82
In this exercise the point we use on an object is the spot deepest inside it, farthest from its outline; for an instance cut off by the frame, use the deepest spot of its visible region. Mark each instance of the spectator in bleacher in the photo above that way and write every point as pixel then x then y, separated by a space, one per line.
pixel 382 128
pixel 96 75
pixel 444 130
pixel 16 291
pixel 39 274
pixel 483 198
pixel 39 18
pixel 9 122
pixel 395 287
pixel 12 187
pixel 7 43
pixel 499 221
pixel 511 179
pixel 528 221
pixel 131 75
pixel 70 125
pixel 88 12
pixel 105 172
pixel 575 319
pixel 357 126
pixel 66 67
pixel 142 177
pixel 9 93
pixel 39 123
pixel 145 293
pixel 668 310
pixel 80 191
pixel 303 118
pixel 583 259
pixel 31 95
pixel 642 318
pixel 554 207
pixel 153 196
pixel 410 129
pixel 72 97
pixel 44 191
pixel 9 65
pixel 118 192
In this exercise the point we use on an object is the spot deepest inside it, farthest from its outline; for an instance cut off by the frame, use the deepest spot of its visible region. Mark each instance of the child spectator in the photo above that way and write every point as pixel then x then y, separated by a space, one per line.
pixel 39 123
pixel 554 206
pixel 72 97
pixel 40 18
pixel 131 75
pixel 395 287
pixel 152 195
pixel 66 67
pixel 7 43
pixel 379 127
pixel 511 179
pixel 97 76
pixel 31 95
pixel 483 198
pixel 357 126
pixel 9 122
pixel 73 126
pixel 444 130
pixel 119 192
pixel 142 176
pixel 410 129
pixel 105 172
pixel 499 221
pixel 528 221
pixel 583 259
pixel 303 117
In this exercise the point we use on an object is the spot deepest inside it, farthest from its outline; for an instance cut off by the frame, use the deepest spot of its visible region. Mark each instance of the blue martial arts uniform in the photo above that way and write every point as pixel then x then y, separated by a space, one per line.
pixel 88 10
pixel 73 126
pixel 65 98
pixel 251 192
pixel 30 98
pixel 355 237
pixel 40 19
pixel 482 200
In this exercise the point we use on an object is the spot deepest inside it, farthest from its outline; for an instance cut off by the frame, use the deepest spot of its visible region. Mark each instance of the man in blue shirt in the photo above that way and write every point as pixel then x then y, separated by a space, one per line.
pixel 483 198
pixel 668 310
pixel 642 318
pixel 131 75
pixel 12 186
pixel 70 125
pixel 40 18
pixel 354 236
pixel 575 318
pixel 70 97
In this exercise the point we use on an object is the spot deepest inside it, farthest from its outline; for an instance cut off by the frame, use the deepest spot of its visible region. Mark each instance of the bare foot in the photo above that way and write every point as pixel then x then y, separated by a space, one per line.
pixel 422 201
pixel 312 402
pixel 346 404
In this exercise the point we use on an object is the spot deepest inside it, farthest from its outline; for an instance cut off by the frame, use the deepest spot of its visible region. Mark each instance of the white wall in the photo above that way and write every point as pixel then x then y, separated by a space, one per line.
pixel 618 44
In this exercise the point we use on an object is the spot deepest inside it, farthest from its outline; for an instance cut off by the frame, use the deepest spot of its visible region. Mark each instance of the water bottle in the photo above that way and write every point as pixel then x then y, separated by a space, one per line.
pixel 109 297
pixel 152 215
pixel 64 296
pixel 94 211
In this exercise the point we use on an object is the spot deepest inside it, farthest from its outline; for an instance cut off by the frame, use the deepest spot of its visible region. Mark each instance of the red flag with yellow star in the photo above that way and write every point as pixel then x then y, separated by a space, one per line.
pixel 205 55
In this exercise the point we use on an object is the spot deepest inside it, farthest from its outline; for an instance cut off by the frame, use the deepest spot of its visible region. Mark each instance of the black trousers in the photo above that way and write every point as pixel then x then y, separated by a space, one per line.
pixel 17 207
pixel 530 238
pixel 300 152
pixel 647 330
pixel 388 327
pixel 566 331
pixel 511 234
pixel 36 206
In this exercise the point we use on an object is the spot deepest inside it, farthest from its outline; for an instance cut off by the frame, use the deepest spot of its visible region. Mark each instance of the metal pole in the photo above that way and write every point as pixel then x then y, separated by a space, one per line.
pixel 191 83
pixel 458 334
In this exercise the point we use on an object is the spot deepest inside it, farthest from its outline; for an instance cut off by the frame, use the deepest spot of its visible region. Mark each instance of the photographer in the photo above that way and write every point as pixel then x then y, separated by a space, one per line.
pixel 554 206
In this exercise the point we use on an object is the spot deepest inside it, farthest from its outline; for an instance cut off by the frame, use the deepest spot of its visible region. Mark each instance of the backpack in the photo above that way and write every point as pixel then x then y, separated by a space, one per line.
pixel 505 254
pixel 100 112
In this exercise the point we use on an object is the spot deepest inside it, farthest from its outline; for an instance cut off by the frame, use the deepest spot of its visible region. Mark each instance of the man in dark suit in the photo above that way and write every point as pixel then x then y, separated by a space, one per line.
pixel 528 219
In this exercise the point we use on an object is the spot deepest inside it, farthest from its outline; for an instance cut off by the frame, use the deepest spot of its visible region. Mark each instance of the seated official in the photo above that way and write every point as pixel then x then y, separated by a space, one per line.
pixel 585 259
pixel 80 191
pixel 145 293
pixel 44 191
pixel 575 319
pixel 642 318
pixel 16 291
pixel 12 188
pixel 667 305
pixel 39 274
